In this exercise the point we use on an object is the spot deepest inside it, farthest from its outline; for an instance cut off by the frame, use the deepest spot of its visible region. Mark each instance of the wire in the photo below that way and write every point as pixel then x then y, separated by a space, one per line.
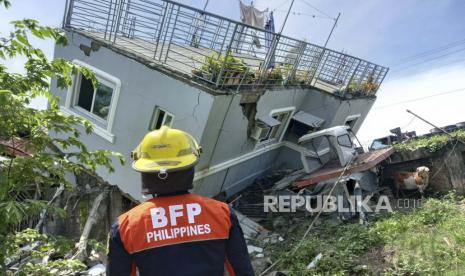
pixel 304 14
pixel 430 52
pixel 422 98
pixel 428 60
pixel 314 219
pixel 317 9
pixel 272 9
pixel 280 5
pixel 439 66
pixel 409 123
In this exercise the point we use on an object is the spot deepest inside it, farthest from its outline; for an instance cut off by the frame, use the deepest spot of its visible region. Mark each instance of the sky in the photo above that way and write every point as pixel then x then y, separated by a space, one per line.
pixel 421 41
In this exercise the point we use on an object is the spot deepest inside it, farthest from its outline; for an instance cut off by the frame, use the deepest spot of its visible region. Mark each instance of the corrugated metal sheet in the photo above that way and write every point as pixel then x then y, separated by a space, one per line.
pixel 308 119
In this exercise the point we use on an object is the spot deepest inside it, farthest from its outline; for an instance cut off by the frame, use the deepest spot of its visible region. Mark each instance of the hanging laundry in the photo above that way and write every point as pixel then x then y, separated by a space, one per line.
pixel 269 26
pixel 254 17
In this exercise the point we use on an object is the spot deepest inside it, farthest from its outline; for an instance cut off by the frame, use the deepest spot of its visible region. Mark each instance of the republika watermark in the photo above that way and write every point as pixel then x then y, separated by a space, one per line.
pixel 327 204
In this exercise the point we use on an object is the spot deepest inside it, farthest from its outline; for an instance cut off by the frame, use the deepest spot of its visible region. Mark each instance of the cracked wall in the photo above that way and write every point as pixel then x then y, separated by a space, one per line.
pixel 142 88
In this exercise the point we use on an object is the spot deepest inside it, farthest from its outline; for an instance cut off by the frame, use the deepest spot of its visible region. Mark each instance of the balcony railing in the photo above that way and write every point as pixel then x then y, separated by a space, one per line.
pixel 221 52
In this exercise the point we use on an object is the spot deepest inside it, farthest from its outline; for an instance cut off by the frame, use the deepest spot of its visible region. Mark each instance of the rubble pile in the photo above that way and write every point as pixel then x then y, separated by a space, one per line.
pixel 270 234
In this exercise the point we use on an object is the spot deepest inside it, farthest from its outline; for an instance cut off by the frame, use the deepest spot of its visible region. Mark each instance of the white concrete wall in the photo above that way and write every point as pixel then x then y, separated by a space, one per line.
pixel 142 88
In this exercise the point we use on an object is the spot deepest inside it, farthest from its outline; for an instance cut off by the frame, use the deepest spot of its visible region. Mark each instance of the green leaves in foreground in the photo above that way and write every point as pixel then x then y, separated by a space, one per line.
pixel 32 161
pixel 45 255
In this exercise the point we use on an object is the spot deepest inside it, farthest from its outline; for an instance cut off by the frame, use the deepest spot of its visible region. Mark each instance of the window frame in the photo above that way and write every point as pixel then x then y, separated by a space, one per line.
pixel 156 114
pixel 352 118
pixel 343 145
pixel 76 95
pixel 102 127
pixel 281 128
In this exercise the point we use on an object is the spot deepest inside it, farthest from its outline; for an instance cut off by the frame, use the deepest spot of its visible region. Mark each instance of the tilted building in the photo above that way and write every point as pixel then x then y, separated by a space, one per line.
pixel 244 93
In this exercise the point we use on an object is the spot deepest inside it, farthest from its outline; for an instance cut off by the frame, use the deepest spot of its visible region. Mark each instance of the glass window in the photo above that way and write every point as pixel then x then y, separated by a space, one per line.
pixel 96 101
pixel 344 141
pixel 160 118
pixel 276 131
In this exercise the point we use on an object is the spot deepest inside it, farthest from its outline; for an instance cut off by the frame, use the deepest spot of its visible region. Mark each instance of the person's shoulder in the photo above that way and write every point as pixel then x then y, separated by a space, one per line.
pixel 134 212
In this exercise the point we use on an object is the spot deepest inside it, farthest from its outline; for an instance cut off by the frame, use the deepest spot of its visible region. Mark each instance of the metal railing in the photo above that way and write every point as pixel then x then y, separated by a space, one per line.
pixel 219 51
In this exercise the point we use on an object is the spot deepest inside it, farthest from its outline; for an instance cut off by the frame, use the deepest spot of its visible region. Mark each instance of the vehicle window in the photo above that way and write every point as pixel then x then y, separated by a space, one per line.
pixel 344 141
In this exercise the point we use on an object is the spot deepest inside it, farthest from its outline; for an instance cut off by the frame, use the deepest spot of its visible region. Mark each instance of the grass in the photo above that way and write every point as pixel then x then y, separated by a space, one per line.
pixel 432 143
pixel 429 240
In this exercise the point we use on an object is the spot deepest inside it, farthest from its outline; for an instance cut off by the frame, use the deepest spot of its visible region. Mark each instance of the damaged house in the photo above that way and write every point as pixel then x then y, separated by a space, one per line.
pixel 245 93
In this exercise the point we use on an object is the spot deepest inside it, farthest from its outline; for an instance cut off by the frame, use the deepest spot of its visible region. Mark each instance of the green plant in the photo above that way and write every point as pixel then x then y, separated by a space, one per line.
pixel 23 178
pixel 432 143
pixel 274 76
pixel 429 240
pixel 48 257
pixel 367 87
pixel 234 70
pixel 300 78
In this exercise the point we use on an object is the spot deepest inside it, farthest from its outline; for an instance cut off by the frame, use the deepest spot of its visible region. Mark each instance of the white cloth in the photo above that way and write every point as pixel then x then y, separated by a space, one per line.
pixel 252 16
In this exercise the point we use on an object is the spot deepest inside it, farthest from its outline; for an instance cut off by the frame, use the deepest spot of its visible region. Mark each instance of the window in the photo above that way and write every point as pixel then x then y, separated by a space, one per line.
pixel 95 100
pixel 96 104
pixel 344 141
pixel 282 116
pixel 351 120
pixel 160 118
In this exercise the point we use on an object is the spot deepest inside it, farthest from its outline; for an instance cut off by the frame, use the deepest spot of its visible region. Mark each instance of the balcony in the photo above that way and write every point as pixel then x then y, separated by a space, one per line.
pixel 219 52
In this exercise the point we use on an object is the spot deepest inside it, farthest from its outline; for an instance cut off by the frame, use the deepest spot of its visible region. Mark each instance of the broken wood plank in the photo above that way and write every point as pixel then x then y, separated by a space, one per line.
pixel 250 228
pixel 81 252
pixel 43 214
pixel 287 180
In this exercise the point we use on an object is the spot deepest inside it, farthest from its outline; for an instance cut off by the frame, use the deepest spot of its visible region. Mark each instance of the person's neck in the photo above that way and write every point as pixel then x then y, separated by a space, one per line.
pixel 171 194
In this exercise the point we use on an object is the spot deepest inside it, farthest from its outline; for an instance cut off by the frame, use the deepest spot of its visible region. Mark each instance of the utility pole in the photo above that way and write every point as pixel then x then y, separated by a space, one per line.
pixel 287 15
pixel 431 124
pixel 205 6
pixel 332 29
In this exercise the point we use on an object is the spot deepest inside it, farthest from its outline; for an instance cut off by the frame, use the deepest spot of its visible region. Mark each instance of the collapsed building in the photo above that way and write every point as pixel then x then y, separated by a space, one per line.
pixel 247 103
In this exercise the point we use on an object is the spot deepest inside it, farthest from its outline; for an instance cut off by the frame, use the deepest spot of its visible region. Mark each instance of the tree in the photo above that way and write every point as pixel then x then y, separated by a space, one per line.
pixel 24 177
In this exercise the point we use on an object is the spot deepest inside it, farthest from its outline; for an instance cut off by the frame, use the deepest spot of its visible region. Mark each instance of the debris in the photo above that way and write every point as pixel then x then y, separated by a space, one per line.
pixel 250 228
pixel 273 238
pixel 287 180
pixel 43 214
pixel 96 270
pixel 280 222
pixel 81 246
pixel 315 261
pixel 251 249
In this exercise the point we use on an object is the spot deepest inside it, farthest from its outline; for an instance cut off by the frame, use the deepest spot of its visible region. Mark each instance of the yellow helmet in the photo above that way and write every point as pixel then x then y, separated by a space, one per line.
pixel 165 150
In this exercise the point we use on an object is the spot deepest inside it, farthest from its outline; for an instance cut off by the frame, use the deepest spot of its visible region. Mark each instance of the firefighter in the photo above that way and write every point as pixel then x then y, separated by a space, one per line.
pixel 175 232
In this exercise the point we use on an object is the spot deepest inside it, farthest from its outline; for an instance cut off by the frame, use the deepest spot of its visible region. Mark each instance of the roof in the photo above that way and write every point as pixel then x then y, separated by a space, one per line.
pixel 14 147
pixel 332 170
pixel 171 36
pixel 308 119
pixel 268 120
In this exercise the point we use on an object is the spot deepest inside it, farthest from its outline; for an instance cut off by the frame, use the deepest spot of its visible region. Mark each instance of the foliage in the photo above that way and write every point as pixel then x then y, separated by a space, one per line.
pixel 234 69
pixel 274 76
pixel 432 143
pixel 367 87
pixel 339 244
pixel 300 78
pixel 24 179
pixel 429 240
pixel 425 241
pixel 49 257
